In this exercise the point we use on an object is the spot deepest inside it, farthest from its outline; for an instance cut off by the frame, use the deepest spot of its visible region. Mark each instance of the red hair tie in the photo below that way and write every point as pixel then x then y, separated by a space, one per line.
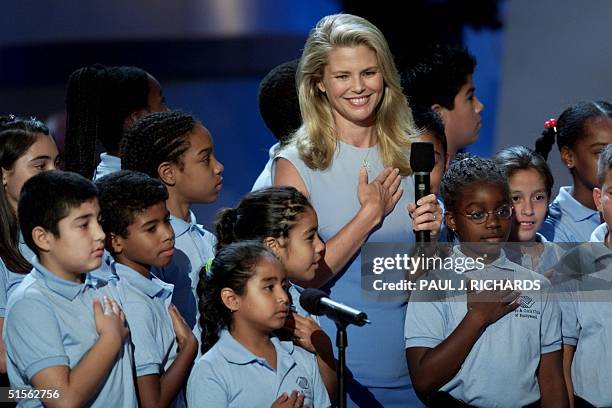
pixel 551 123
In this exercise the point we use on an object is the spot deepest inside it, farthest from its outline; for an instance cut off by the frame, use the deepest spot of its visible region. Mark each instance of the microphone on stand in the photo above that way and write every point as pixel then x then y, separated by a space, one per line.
pixel 316 302
pixel 422 162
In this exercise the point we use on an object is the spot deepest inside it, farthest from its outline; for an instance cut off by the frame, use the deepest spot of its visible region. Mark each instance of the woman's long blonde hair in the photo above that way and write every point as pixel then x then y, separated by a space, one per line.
pixel 316 138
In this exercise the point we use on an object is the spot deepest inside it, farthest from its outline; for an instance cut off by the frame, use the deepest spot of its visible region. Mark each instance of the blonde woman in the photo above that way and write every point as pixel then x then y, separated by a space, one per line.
pixel 350 157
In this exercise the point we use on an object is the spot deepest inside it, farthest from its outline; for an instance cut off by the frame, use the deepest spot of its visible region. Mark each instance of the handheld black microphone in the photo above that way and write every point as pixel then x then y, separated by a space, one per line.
pixel 317 302
pixel 422 162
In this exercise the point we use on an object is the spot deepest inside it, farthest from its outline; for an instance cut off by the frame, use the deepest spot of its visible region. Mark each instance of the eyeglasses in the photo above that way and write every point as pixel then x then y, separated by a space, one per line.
pixel 480 217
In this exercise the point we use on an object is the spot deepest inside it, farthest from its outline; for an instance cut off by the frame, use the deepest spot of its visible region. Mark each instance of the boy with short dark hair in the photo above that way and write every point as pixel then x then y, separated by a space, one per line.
pixel 139 236
pixel 81 358
pixel 443 82
pixel 279 107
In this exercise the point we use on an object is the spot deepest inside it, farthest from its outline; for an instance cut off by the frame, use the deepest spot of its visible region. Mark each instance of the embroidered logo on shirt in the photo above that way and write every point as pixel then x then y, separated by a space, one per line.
pixel 302 382
pixel 526 302
pixel 525 309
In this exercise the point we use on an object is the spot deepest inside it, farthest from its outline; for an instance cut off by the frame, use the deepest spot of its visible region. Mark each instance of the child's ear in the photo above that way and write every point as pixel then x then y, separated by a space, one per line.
pixel 167 173
pixel 597 198
pixel 567 157
pixel 446 161
pixel 116 242
pixel 133 117
pixel 42 238
pixel 449 217
pixel 230 299
pixel 439 109
pixel 273 244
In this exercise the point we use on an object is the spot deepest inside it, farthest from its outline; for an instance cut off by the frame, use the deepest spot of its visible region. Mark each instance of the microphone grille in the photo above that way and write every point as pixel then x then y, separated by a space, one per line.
pixel 422 157
pixel 309 300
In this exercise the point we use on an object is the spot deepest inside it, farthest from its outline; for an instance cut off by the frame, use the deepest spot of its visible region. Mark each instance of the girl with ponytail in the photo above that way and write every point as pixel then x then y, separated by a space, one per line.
pixel 243 300
pixel 101 103
pixel 581 132
pixel 283 219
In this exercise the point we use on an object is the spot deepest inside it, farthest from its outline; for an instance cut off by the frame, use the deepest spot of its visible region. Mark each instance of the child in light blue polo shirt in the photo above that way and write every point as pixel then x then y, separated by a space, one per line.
pixel 569 220
pixel 283 219
pixel 279 108
pixel 475 346
pixel 194 246
pixel 531 182
pixel 135 218
pixel 82 353
pixel 243 302
pixel 586 316
pixel 586 309
pixel 26 148
pixel 177 149
pixel 581 133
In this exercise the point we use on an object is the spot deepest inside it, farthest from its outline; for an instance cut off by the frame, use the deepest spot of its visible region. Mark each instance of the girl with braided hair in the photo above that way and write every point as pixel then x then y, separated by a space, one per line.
pixel 463 344
pixel 581 133
pixel 245 364
pixel 101 103
pixel 177 149
pixel 283 219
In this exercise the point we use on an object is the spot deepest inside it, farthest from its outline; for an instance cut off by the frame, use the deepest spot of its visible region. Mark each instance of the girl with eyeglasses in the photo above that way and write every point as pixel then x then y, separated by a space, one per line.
pixel 491 347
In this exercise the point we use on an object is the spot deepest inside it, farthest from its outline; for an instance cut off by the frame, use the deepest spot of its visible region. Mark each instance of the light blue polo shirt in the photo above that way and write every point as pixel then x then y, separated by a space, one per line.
pixel 265 177
pixel 108 164
pixel 104 271
pixel 14 279
pixel 25 250
pixel 599 235
pixel 586 308
pixel 229 375
pixel 193 247
pixel 9 280
pixel 50 322
pixel 548 259
pixel 568 220
pixel 145 304
pixel 500 370
pixel 295 292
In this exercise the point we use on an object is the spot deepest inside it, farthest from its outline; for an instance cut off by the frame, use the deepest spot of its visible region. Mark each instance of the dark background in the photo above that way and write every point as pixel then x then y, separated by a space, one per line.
pixel 534 58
